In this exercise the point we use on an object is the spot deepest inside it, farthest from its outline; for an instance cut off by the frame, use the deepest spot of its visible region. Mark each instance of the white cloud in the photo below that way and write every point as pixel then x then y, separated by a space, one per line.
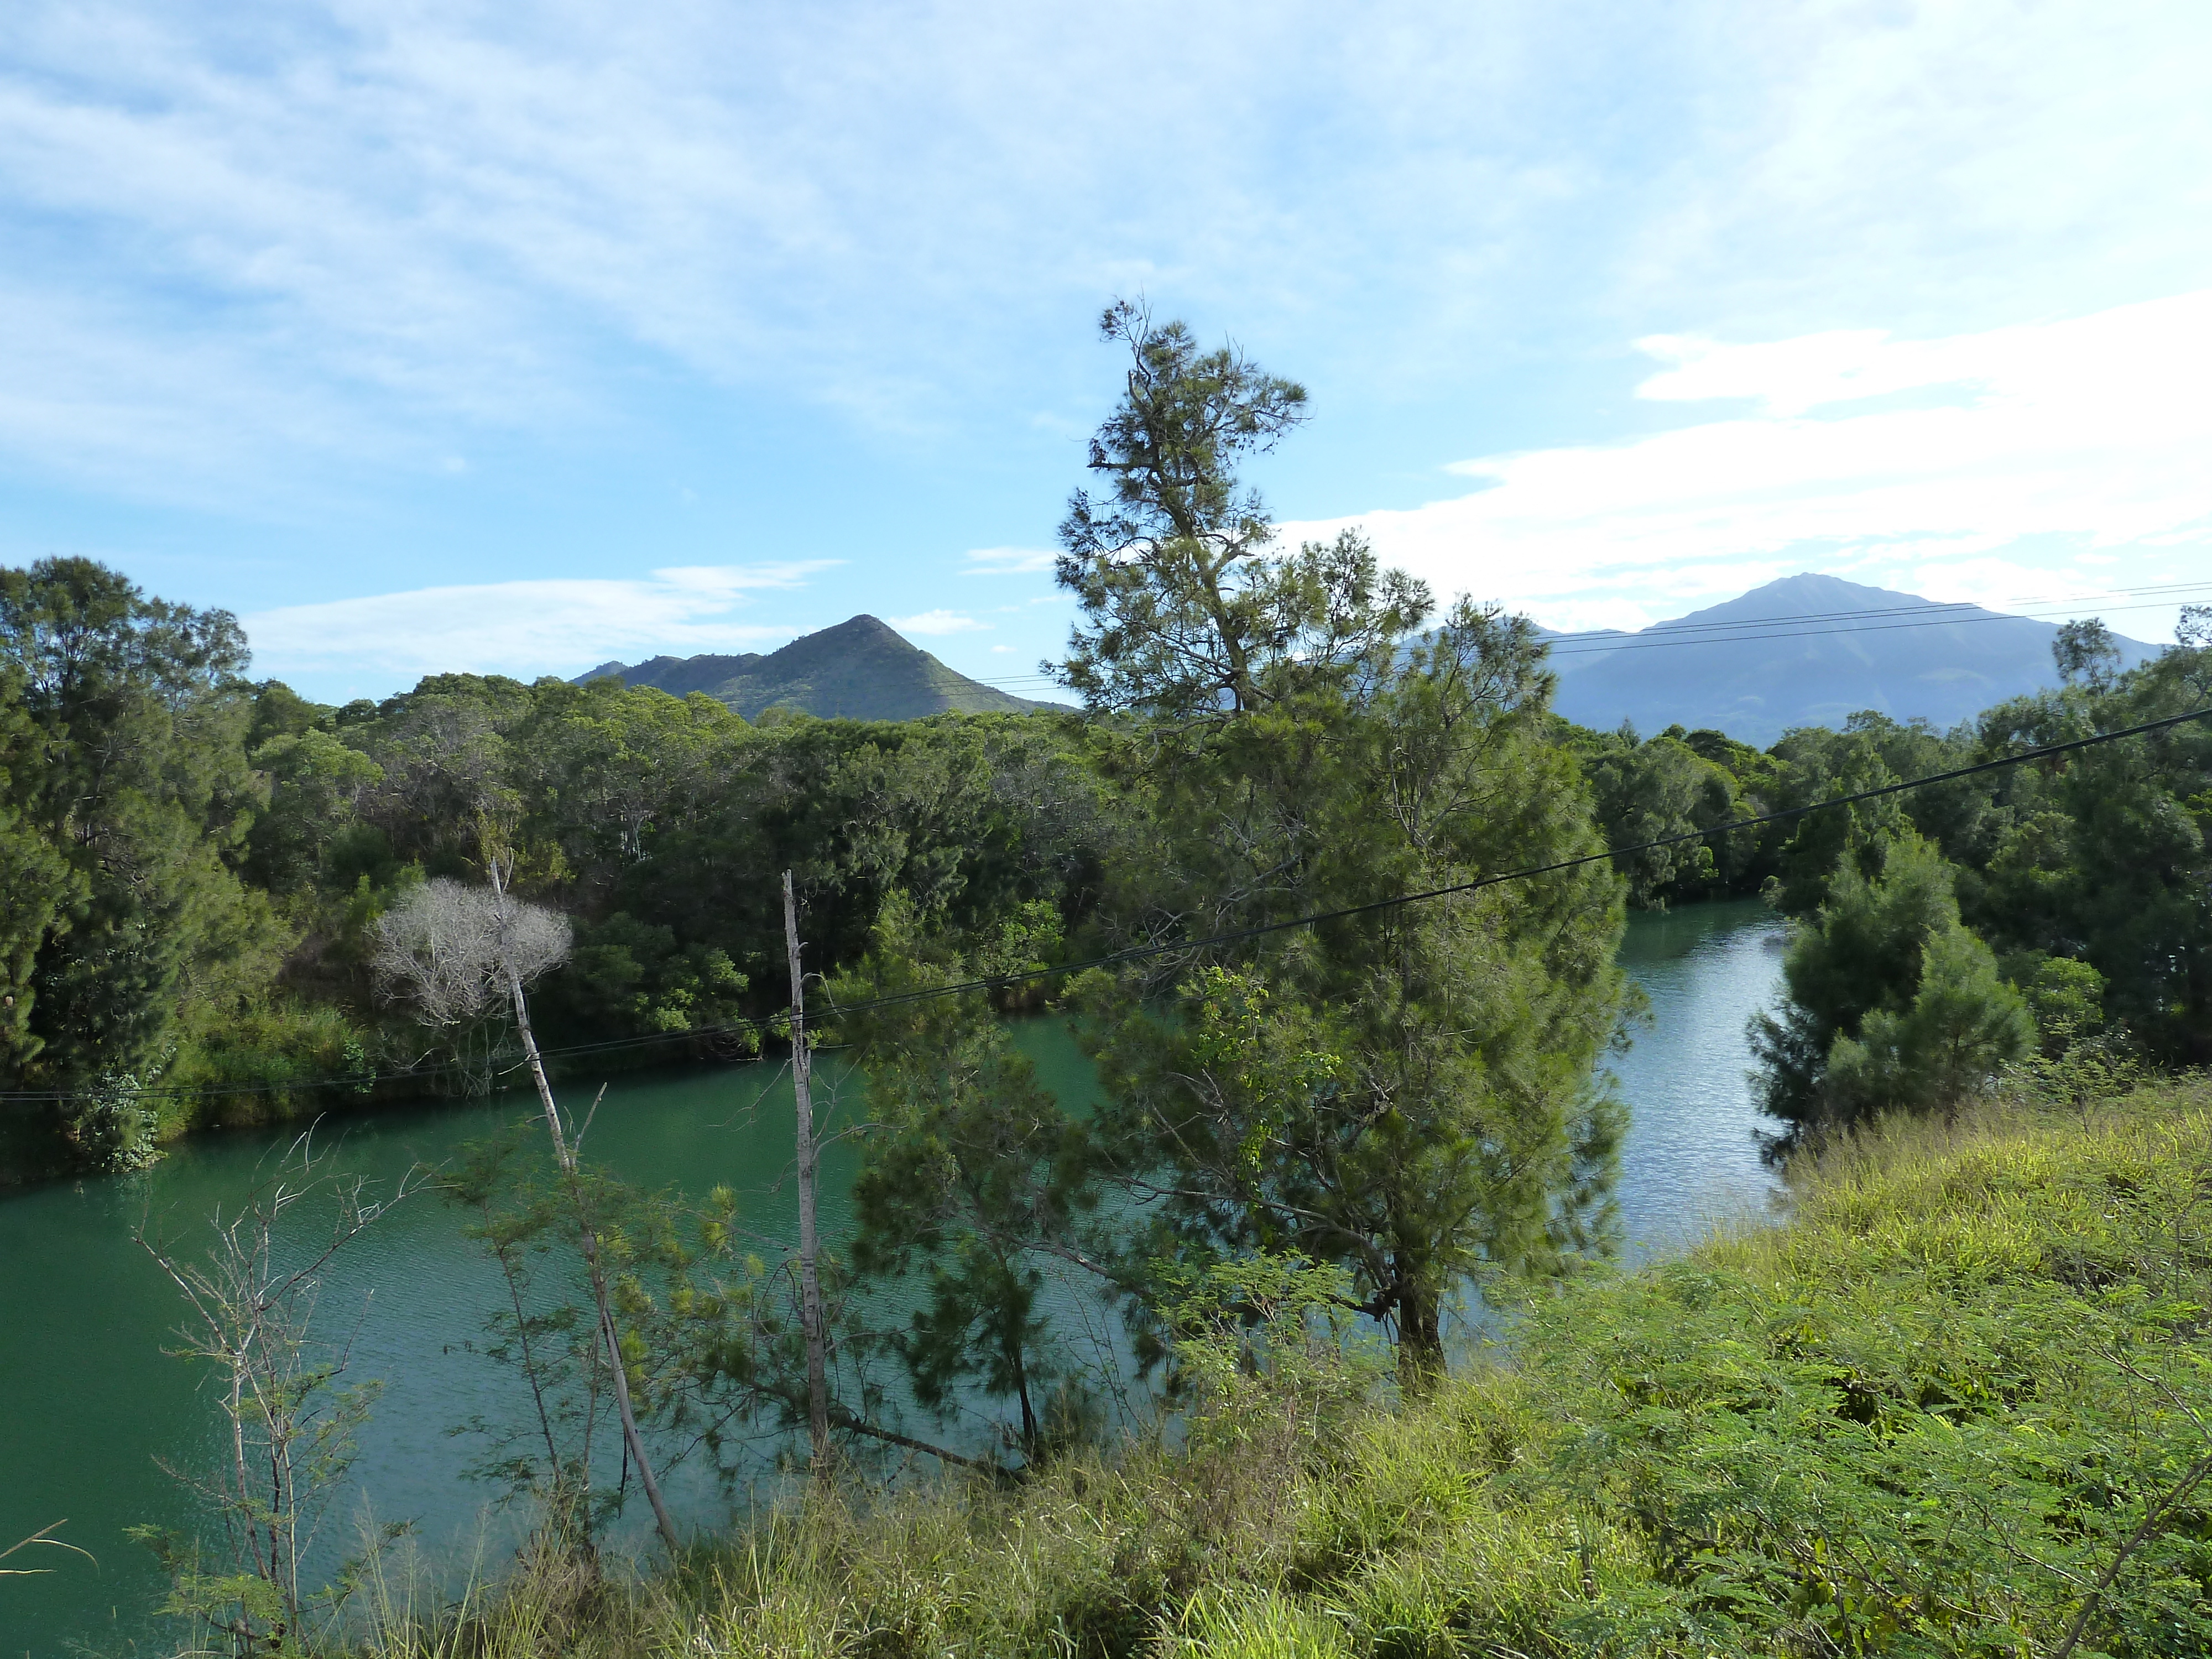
pixel 938 622
pixel 1008 561
pixel 1962 464
pixel 524 628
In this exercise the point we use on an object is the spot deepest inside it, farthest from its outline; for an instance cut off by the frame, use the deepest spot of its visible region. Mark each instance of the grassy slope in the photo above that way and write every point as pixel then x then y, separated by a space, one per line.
pixel 1951 1405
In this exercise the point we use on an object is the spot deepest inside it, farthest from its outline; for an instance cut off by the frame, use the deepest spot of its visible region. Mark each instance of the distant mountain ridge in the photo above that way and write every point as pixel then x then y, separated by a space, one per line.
pixel 1809 650
pixel 862 669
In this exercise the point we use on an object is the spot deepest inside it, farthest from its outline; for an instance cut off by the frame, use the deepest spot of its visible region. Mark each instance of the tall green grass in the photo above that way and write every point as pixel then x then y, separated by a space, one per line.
pixel 1960 1403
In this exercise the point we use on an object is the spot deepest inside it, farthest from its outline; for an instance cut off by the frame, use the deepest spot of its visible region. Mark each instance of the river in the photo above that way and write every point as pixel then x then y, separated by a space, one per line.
pixel 90 1403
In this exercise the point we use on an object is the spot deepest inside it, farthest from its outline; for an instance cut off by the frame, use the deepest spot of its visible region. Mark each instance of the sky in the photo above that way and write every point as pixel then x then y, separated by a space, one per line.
pixel 519 337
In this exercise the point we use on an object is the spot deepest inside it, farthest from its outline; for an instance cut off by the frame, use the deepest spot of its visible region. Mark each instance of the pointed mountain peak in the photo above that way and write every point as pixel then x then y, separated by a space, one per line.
pixel 861 669
pixel 1807 595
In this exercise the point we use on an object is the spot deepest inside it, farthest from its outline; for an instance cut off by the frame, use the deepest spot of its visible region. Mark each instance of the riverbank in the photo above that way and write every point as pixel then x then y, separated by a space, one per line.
pixel 1958 1403
pixel 94 1408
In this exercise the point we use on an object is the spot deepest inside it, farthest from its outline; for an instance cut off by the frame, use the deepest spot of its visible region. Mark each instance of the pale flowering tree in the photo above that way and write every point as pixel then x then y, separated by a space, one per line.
pixel 451 949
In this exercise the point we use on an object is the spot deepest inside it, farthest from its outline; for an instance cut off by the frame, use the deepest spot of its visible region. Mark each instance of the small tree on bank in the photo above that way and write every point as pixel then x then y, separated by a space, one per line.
pixel 291 1423
pixel 1892 1003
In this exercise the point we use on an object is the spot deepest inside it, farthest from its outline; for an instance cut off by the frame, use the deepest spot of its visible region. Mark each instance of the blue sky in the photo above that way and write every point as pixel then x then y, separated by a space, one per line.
pixel 516 338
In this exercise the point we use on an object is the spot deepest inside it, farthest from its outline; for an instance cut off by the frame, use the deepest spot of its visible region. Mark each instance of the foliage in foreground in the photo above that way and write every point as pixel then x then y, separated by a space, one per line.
pixel 1957 1406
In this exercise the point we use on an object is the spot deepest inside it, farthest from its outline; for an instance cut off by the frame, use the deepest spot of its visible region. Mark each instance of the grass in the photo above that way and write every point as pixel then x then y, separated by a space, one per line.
pixel 1958 1405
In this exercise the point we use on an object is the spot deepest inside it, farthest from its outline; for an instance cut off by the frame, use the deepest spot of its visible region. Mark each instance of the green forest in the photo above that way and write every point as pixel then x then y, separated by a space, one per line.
pixel 220 905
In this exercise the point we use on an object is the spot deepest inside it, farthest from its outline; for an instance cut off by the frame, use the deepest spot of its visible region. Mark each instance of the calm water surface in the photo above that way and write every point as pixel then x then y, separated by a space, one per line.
pixel 1690 1160
pixel 88 1400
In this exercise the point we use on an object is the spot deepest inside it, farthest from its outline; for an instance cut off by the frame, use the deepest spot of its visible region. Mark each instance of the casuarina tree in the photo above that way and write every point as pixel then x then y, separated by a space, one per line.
pixel 1406 1091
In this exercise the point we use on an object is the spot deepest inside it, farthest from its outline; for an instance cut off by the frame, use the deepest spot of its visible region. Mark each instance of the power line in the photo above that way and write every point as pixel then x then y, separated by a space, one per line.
pixel 1137 953
pixel 1145 952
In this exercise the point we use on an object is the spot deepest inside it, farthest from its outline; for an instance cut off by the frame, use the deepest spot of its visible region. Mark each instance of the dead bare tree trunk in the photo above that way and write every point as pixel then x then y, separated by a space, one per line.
pixel 809 1282
pixel 454 948
pixel 594 1269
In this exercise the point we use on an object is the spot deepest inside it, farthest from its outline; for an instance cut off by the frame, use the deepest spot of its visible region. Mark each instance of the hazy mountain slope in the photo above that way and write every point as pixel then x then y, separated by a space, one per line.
pixel 861 669
pixel 1809 650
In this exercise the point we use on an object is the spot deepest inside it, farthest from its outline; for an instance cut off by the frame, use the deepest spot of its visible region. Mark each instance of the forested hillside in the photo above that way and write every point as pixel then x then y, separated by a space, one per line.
pixel 2060 904
pixel 196 862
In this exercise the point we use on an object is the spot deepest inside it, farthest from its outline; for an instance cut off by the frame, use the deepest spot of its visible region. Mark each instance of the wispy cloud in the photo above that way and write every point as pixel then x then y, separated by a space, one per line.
pixel 383 215
pixel 1994 459
pixel 524 628
pixel 934 623
pixel 1008 561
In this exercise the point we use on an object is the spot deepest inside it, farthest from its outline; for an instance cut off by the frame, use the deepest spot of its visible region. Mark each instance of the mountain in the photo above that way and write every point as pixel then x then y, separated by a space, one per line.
pixel 859 670
pixel 1809 650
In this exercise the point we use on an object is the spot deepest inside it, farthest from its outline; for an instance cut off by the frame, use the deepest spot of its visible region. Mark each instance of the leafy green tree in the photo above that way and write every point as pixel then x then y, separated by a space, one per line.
pixel 1963 1025
pixel 36 881
pixel 2105 857
pixel 1183 613
pixel 628 977
pixel 136 715
pixel 2066 998
pixel 1645 792
pixel 605 770
pixel 311 838
pixel 2086 654
pixel 1810 853
pixel 1892 1005
pixel 447 768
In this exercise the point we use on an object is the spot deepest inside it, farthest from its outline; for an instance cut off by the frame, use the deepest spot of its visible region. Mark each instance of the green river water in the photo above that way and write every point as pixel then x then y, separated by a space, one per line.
pixel 90 1403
